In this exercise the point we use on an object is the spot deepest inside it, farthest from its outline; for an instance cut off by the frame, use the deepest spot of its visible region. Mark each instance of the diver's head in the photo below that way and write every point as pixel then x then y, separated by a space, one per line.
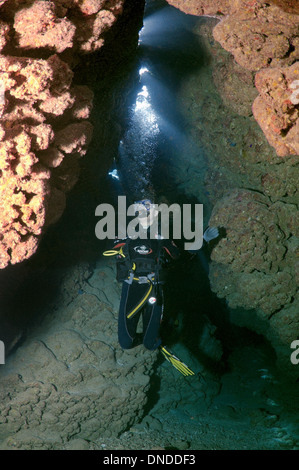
pixel 143 206
pixel 146 212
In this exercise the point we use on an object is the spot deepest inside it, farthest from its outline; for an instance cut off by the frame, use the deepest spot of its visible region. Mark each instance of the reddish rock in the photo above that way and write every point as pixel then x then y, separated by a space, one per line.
pixel 202 7
pixel 38 26
pixel 29 201
pixel 56 105
pixel 90 7
pixel 51 157
pixel 83 99
pixel 90 32
pixel 43 118
pixel 34 80
pixel 259 35
pixel 276 109
pixel 61 25
pixel 75 138
pixel 291 6
pixel 4 34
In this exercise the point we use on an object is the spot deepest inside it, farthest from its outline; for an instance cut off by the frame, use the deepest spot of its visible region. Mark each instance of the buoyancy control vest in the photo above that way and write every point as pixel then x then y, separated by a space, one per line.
pixel 142 257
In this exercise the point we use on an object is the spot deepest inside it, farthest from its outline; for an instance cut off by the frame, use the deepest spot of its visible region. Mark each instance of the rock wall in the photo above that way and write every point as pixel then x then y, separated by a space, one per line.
pixel 45 125
pixel 70 380
pixel 255 266
pixel 262 35
pixel 250 184
pixel 276 108
pixel 44 131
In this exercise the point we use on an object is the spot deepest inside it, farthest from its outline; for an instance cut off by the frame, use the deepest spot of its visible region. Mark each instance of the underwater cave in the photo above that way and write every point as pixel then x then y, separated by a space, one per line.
pixel 173 121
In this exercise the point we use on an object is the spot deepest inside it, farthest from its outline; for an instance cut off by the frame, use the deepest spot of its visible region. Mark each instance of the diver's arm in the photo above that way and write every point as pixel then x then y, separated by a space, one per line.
pixel 171 249
pixel 118 244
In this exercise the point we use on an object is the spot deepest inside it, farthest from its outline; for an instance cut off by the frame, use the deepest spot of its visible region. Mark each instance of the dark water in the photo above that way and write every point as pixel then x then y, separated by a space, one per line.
pixel 168 52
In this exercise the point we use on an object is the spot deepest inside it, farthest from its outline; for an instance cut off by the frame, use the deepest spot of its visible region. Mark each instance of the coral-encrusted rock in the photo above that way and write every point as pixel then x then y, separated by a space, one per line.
pixel 202 7
pixel 30 148
pixel 38 26
pixel 57 105
pixel 74 138
pixel 59 25
pixel 91 7
pixel 4 32
pixel 22 211
pixel 38 98
pixel 259 34
pixel 277 107
pixel 83 98
pixel 90 32
pixel 34 80
pixel 290 6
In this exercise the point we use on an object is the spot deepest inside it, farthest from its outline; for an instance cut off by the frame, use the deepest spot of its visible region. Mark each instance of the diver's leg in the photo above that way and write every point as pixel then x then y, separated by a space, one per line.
pixel 130 296
pixel 152 317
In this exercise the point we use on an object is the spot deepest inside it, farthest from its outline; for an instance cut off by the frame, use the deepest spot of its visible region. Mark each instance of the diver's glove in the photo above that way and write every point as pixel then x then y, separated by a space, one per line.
pixel 210 233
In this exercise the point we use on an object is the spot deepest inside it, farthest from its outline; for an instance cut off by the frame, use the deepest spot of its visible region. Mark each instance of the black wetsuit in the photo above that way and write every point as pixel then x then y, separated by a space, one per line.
pixel 139 269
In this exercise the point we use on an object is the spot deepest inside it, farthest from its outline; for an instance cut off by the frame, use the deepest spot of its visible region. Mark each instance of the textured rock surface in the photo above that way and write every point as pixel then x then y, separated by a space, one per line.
pixel 38 26
pixel 255 265
pixel 71 379
pixel 32 145
pixel 202 7
pixel 260 34
pixel 259 249
pixel 235 85
pixel 276 109
pixel 58 25
pixel 44 119
pixel 71 387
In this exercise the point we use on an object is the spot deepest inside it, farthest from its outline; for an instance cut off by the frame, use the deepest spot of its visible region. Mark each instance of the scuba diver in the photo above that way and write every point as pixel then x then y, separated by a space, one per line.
pixel 140 263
